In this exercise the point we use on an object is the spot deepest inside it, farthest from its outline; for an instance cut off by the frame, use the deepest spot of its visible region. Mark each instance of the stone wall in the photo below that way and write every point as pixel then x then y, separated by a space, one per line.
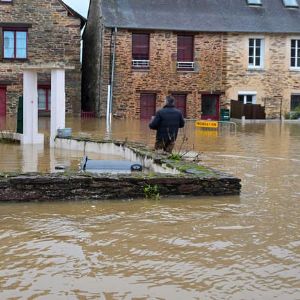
pixel 274 83
pixel 84 187
pixel 162 78
pixel 161 175
pixel 53 36
pixel 221 62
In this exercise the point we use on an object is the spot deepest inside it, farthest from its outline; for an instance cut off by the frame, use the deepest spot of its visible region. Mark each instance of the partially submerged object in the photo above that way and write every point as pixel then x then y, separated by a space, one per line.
pixel 109 166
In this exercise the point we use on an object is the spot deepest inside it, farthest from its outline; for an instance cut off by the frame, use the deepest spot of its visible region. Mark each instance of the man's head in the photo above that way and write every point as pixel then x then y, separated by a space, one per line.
pixel 170 101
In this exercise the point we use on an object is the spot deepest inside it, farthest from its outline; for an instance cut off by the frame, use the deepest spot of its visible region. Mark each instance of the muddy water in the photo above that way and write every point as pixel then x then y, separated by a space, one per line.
pixel 245 247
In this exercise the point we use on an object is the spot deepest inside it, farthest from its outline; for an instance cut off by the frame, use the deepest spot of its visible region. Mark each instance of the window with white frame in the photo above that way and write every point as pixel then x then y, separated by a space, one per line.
pixel 247 97
pixel 256 52
pixel 254 2
pixel 290 3
pixel 295 54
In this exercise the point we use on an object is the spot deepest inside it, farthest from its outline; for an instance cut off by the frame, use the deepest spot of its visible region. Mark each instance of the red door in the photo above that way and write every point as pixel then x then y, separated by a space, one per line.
pixel 148 105
pixel 180 103
pixel 210 107
pixel 2 102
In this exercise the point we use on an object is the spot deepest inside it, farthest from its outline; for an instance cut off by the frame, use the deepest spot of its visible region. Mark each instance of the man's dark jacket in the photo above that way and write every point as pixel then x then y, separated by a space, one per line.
pixel 167 121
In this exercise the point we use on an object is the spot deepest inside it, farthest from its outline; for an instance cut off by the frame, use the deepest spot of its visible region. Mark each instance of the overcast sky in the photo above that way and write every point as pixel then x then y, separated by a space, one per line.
pixel 80 6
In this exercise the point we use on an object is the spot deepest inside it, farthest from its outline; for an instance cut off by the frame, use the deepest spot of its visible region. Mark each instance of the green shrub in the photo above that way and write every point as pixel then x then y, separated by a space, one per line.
pixel 151 192
pixel 175 156
pixel 294 114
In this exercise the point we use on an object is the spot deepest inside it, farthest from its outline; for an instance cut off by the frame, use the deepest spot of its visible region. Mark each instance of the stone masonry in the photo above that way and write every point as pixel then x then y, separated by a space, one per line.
pixel 53 36
pixel 162 78
pixel 221 68
pixel 274 84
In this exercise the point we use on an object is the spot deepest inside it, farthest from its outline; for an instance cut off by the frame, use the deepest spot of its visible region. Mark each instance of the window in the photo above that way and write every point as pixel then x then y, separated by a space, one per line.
pixel 140 50
pixel 256 49
pixel 295 102
pixel 247 97
pixel 295 53
pixel 44 98
pixel 254 2
pixel 185 52
pixel 15 44
pixel 290 3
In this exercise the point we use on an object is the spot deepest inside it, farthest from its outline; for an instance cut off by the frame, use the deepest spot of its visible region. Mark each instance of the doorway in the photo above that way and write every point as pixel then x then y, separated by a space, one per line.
pixel 2 102
pixel 180 103
pixel 210 107
pixel 148 106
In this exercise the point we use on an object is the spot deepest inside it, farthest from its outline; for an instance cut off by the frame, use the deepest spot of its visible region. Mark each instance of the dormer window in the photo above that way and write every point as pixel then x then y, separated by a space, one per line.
pixel 290 3
pixel 254 2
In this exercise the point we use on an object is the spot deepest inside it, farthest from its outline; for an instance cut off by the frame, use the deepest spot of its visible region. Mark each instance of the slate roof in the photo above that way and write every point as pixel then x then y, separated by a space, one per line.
pixel 202 15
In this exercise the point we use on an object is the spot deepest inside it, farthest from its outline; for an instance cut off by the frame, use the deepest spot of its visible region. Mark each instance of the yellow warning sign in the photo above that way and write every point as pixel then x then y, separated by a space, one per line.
pixel 207 124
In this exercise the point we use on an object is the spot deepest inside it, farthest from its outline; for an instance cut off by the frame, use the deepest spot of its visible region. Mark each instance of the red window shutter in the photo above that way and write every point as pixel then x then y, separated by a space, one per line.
pixel 140 46
pixel 185 48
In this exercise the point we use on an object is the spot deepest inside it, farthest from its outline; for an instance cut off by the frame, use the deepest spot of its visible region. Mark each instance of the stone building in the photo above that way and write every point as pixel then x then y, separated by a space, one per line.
pixel 38 32
pixel 205 53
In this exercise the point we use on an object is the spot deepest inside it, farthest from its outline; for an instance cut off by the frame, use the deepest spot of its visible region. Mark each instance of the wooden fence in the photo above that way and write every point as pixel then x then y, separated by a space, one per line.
pixel 250 111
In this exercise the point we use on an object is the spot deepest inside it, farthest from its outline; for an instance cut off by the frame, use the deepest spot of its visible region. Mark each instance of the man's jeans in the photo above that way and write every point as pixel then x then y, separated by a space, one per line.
pixel 167 146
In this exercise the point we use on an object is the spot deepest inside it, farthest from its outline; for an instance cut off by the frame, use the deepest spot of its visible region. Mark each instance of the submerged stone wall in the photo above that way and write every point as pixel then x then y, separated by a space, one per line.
pixel 165 177
pixel 37 187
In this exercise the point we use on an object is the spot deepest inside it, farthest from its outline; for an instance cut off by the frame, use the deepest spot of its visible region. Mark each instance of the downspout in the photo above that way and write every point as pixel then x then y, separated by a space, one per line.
pixel 112 75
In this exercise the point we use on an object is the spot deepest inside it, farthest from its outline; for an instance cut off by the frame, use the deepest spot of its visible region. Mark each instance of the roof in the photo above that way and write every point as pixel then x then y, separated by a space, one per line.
pixel 74 13
pixel 202 15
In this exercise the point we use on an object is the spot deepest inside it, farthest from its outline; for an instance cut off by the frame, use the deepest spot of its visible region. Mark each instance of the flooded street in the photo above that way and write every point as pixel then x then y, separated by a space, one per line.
pixel 243 247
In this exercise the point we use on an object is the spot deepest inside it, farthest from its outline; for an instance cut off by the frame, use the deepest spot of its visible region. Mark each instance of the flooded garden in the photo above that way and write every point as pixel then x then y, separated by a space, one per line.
pixel 233 247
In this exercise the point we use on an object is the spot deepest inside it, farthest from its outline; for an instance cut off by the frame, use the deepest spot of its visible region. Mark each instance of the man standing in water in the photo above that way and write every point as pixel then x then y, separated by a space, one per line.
pixel 166 122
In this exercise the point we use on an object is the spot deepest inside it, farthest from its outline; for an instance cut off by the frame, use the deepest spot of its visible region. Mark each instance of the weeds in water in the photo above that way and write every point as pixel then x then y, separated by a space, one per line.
pixel 151 192
pixel 175 156
pixel 179 154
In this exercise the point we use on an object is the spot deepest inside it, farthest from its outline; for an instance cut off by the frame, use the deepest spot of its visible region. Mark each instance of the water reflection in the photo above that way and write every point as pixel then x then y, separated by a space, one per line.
pixel 243 247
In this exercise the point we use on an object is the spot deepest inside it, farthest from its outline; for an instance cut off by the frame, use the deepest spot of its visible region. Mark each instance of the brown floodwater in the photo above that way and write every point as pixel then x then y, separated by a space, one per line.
pixel 242 247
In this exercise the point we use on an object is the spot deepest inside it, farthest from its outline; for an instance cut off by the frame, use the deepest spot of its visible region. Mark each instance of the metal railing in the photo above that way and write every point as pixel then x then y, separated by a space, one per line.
pixel 140 63
pixel 231 125
pixel 185 65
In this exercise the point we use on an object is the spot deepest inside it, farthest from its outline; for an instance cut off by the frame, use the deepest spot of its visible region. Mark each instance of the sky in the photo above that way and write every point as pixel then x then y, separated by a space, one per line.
pixel 81 6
